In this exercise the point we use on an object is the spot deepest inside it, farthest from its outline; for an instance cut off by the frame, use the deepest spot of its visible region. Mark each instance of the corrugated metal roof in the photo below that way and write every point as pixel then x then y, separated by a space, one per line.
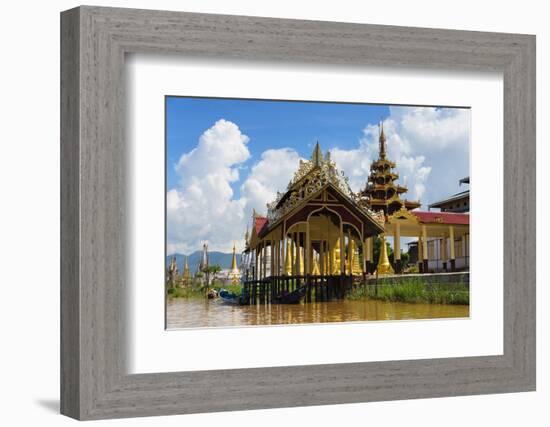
pixel 454 197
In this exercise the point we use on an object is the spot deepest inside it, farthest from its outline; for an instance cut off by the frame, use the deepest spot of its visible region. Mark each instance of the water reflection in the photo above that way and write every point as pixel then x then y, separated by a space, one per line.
pixel 193 313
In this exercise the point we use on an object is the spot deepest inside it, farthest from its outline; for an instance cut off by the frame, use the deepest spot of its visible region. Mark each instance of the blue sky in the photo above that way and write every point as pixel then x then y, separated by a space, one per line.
pixel 226 157
pixel 268 124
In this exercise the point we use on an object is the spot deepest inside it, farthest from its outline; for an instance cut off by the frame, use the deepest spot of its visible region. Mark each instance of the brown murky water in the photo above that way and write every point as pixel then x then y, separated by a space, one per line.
pixel 196 313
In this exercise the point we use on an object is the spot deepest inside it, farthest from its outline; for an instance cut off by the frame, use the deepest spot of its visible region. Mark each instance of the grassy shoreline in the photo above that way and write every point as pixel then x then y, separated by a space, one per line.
pixel 199 292
pixel 409 290
pixel 415 290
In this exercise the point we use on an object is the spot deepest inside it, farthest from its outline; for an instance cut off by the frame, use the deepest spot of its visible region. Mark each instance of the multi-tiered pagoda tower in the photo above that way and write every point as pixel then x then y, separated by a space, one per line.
pixel 382 193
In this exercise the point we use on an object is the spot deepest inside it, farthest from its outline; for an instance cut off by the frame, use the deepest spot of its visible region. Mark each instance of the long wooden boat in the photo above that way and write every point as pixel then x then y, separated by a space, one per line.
pixel 293 297
pixel 230 297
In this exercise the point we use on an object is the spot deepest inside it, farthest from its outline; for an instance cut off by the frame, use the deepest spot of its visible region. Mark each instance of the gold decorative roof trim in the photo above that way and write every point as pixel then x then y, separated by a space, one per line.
pixel 401 214
pixel 310 178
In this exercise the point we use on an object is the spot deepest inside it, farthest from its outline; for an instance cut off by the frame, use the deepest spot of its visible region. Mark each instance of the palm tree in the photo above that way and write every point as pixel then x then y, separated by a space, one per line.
pixel 211 270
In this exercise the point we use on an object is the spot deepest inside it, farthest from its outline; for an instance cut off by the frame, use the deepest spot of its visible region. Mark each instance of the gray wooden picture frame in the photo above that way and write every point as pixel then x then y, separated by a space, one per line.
pixel 94 41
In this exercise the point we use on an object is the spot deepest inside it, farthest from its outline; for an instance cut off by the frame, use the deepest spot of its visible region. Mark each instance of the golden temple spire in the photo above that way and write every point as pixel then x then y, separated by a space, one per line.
pixel 317 156
pixel 384 266
pixel 186 273
pixel 382 141
pixel 234 260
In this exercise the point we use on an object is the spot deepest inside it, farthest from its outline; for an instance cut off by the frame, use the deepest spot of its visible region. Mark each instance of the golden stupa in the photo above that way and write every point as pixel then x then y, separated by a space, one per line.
pixel 384 267
pixel 288 260
pixel 353 263
pixel 234 273
pixel 335 254
pixel 186 274
pixel 316 269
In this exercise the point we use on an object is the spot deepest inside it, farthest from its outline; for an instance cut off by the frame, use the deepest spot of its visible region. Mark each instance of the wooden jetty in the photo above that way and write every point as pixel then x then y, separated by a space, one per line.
pixel 317 288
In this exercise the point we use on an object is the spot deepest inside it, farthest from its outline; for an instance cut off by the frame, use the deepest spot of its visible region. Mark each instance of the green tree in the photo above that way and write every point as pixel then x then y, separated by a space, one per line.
pixel 405 258
pixel 211 271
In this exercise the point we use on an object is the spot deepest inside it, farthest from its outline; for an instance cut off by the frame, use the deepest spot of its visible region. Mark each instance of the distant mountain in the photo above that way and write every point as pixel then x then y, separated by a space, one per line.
pixel 219 258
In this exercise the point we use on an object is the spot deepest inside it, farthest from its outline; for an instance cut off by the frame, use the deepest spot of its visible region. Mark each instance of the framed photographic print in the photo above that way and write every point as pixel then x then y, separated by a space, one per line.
pixel 270 229
pixel 292 213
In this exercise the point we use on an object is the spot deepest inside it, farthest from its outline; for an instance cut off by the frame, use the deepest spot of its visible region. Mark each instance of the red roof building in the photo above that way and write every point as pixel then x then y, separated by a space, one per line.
pixel 442 217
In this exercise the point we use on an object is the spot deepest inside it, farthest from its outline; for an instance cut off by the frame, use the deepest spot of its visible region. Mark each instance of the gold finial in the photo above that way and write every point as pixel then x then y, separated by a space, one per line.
pixel 382 141
pixel 317 155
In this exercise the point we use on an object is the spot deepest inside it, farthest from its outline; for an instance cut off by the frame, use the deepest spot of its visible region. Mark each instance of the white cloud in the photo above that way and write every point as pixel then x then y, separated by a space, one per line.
pixel 271 174
pixel 220 149
pixel 433 128
pixel 429 146
pixel 202 207
pixel 355 164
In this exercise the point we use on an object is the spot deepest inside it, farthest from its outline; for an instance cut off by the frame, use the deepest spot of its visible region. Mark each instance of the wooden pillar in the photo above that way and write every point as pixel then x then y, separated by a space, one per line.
pixel 424 249
pixel 419 250
pixel 259 261
pixel 292 254
pixel 274 256
pixel 342 251
pixel 397 248
pixel 278 267
pixel 322 258
pixel 285 254
pixel 329 261
pixel 371 253
pixel 256 263
pixel 296 255
pixel 271 257
pixel 467 251
pixel 349 258
pixel 444 252
pixel 307 261
pixel 264 259
pixel 463 248
pixel 364 263
pixel 283 250
pixel 368 258
pixel 452 246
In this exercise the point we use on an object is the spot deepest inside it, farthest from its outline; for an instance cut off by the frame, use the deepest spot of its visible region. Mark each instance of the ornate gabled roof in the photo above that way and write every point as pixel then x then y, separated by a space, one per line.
pixel 313 175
